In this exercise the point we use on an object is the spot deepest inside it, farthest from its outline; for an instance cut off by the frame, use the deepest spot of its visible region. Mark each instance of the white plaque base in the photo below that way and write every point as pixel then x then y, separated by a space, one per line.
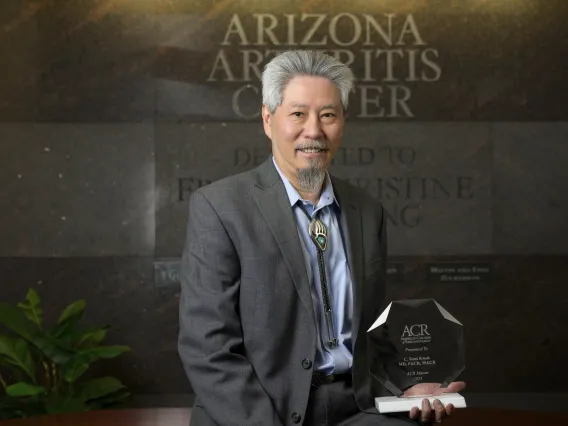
pixel 393 404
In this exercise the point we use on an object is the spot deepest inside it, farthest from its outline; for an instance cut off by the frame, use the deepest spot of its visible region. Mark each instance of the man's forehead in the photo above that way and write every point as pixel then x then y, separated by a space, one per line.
pixel 295 104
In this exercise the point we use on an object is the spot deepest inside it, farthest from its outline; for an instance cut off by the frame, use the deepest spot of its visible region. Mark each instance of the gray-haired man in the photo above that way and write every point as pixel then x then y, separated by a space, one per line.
pixel 284 269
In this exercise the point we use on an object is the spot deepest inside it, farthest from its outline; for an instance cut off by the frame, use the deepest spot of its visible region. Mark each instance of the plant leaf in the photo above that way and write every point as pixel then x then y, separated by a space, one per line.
pixel 74 369
pixel 13 373
pixel 74 309
pixel 97 388
pixel 31 308
pixel 15 351
pixel 87 338
pixel 16 321
pixel 78 364
pixel 70 316
pixel 24 389
pixel 53 350
pixel 92 338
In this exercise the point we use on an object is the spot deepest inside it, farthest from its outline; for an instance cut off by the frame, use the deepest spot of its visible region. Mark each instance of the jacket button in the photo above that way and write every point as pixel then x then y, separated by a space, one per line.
pixel 296 417
pixel 307 364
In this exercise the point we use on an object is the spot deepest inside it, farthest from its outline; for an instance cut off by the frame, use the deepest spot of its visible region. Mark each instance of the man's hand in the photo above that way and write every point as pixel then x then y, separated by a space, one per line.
pixel 435 412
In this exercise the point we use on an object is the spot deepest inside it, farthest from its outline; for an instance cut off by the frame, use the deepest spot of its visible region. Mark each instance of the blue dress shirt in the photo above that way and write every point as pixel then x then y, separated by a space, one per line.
pixel 339 359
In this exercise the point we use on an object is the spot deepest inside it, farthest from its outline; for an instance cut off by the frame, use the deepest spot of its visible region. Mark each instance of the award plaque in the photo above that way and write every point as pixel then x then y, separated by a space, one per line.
pixel 415 341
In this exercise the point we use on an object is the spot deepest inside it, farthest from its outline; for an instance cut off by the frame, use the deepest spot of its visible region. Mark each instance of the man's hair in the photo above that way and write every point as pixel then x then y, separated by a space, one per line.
pixel 284 67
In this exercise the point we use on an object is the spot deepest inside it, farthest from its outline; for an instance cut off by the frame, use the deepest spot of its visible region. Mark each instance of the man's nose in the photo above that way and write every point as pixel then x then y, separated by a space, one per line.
pixel 312 128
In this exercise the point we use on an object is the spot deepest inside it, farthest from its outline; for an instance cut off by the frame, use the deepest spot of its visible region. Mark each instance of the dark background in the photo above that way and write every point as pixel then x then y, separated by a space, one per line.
pixel 112 112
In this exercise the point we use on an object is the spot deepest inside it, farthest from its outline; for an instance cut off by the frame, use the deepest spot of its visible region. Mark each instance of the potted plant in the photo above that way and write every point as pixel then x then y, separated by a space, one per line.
pixel 42 368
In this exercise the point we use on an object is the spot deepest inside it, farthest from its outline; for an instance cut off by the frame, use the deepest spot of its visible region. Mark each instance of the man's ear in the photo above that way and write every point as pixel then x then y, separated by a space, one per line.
pixel 266 118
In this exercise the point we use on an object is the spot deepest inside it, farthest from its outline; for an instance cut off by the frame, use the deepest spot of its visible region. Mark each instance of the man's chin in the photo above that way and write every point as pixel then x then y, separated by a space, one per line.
pixel 316 161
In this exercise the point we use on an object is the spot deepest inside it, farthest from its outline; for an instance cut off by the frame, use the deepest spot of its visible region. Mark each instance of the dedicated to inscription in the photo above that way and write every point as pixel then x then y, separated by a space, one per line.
pixel 422 188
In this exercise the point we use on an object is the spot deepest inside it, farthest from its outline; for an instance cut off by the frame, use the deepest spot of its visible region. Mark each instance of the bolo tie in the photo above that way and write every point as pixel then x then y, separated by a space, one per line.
pixel 318 235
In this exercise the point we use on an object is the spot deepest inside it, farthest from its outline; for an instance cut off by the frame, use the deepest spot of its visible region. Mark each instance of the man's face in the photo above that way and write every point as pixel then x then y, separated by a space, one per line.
pixel 306 128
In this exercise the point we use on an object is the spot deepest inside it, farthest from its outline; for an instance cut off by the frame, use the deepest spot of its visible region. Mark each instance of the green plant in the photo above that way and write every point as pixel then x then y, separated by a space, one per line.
pixel 41 368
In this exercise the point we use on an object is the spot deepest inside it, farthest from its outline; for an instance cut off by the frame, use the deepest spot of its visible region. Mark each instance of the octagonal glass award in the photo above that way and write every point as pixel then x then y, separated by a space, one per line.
pixel 415 341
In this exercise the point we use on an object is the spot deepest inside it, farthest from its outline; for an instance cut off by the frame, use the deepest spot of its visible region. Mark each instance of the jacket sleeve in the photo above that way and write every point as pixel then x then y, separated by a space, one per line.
pixel 210 341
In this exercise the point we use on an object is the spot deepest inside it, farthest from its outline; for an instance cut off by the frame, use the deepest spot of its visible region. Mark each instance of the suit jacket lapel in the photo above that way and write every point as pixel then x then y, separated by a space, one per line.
pixel 272 200
pixel 351 228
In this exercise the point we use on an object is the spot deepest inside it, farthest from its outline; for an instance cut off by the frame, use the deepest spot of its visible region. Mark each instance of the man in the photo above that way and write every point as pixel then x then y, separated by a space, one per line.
pixel 284 271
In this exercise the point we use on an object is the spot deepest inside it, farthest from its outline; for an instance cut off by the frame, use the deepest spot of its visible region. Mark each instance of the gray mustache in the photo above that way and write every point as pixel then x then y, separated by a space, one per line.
pixel 317 144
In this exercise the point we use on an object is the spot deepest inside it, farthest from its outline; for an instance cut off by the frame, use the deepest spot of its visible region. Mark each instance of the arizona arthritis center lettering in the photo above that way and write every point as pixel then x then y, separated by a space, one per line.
pixel 390 51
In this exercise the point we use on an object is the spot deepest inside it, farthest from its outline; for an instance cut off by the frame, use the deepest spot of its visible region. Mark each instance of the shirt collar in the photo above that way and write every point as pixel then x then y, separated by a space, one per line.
pixel 327 196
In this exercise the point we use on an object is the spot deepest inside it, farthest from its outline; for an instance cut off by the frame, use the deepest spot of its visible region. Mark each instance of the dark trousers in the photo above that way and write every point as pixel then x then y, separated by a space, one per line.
pixel 334 404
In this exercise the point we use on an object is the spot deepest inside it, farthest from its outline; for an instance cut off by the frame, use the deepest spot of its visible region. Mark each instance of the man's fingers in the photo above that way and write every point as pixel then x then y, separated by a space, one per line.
pixel 414 412
pixel 439 410
pixel 426 414
pixel 431 413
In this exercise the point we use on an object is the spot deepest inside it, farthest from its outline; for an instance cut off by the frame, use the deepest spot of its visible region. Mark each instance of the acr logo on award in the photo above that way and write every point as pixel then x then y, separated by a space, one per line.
pixel 417 333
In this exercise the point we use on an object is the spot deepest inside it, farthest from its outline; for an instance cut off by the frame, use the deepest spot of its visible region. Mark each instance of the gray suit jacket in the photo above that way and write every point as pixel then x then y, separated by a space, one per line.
pixel 247 325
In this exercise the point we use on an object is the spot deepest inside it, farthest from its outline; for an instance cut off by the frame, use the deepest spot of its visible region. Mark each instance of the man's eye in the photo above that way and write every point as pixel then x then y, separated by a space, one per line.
pixel 298 113
pixel 328 115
